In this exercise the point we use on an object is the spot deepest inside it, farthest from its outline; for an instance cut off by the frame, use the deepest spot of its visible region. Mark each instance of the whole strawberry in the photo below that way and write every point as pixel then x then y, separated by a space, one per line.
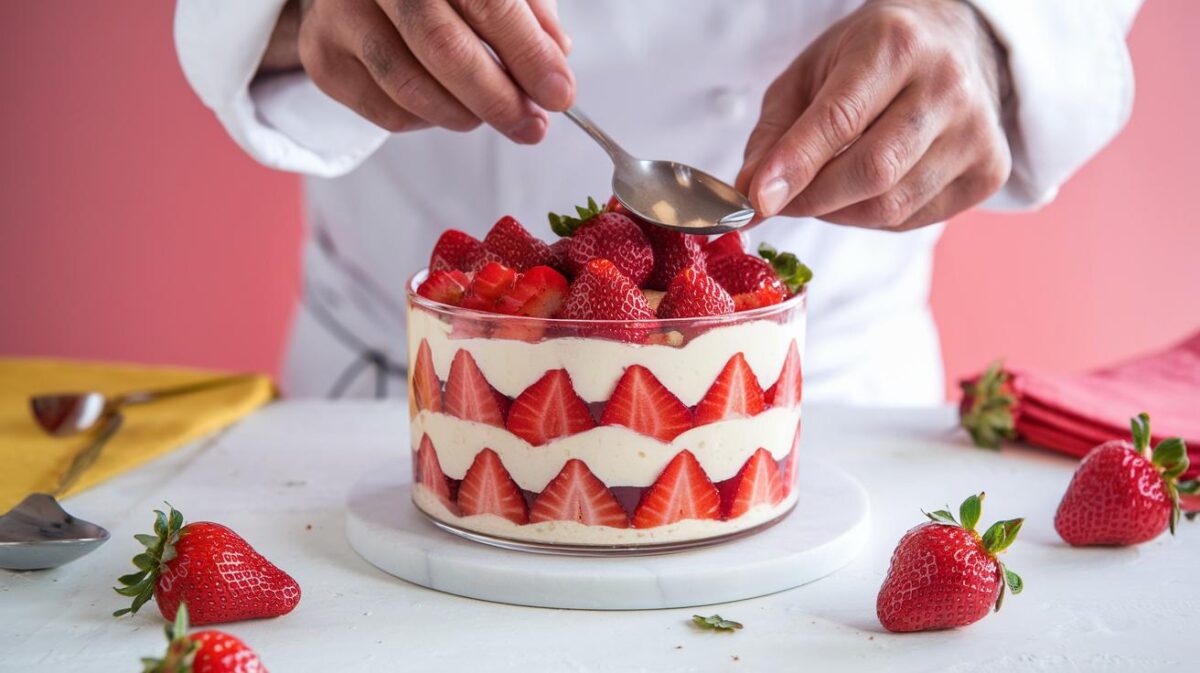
pixel 944 575
pixel 515 246
pixel 1122 493
pixel 212 568
pixel 989 409
pixel 203 652
pixel 694 293
pixel 600 234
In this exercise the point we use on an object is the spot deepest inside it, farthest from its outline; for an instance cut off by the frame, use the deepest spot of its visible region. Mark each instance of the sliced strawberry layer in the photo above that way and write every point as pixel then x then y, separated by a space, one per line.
pixel 468 394
pixel 577 495
pixel 488 488
pixel 430 474
pixel 643 404
pixel 549 408
pixel 539 292
pixel 445 286
pixel 786 391
pixel 682 491
pixel 789 463
pixel 426 388
pixel 489 284
pixel 734 394
pixel 757 483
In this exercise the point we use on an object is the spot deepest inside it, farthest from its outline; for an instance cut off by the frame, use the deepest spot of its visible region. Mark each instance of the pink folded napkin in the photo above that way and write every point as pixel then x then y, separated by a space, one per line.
pixel 1072 413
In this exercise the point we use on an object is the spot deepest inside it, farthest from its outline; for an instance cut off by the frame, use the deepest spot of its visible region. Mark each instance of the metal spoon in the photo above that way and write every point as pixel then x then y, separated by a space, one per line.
pixel 38 533
pixel 62 414
pixel 669 194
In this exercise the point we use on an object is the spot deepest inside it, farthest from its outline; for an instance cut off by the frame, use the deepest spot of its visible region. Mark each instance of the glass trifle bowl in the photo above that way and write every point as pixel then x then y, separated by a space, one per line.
pixel 604 437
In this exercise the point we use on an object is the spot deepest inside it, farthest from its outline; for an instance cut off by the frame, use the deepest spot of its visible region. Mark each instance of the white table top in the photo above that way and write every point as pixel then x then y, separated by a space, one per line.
pixel 280 479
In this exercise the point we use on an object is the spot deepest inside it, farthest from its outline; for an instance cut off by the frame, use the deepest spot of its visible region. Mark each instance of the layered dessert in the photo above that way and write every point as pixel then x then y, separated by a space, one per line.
pixel 624 387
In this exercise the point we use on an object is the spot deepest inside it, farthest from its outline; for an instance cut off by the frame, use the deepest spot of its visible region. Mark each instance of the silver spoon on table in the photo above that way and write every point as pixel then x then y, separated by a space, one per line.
pixel 38 533
pixel 667 193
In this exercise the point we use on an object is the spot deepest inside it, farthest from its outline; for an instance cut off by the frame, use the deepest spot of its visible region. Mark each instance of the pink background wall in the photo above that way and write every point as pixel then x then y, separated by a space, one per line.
pixel 131 228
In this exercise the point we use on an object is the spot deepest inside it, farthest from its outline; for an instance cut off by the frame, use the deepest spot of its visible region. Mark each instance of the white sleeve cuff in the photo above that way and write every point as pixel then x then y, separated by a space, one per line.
pixel 1073 86
pixel 283 121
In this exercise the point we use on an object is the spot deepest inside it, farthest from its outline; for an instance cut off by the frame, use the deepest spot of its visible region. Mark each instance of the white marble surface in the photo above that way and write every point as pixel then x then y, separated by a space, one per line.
pixel 827 529
pixel 289 467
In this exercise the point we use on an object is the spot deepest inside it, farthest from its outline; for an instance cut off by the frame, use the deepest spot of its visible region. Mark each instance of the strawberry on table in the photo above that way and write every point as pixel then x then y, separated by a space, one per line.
pixel 944 575
pixel 1125 494
pixel 682 491
pixel 694 293
pixel 515 246
pixel 989 409
pixel 643 404
pixel 577 495
pixel 212 568
pixel 445 286
pixel 488 488
pixel 468 394
pixel 203 652
pixel 457 250
pixel 602 292
pixel 735 394
pixel 548 409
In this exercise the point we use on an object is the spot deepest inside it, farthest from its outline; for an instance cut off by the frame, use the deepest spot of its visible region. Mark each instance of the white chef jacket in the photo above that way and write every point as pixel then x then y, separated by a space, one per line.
pixel 675 79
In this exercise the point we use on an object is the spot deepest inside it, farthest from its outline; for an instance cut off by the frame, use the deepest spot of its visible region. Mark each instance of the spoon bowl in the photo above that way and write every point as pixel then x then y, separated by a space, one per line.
pixel 38 534
pixel 667 193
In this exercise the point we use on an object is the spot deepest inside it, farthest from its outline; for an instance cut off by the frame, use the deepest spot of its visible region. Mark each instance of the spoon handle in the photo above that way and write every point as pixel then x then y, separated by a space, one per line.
pixel 84 459
pixel 144 396
pixel 584 122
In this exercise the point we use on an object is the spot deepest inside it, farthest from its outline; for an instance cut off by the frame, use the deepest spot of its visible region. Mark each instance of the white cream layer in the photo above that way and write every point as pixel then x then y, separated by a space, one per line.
pixel 573 532
pixel 617 455
pixel 595 365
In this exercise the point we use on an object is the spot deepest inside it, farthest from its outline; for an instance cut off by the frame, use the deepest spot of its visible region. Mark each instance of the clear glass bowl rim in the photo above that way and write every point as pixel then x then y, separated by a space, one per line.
pixel 796 301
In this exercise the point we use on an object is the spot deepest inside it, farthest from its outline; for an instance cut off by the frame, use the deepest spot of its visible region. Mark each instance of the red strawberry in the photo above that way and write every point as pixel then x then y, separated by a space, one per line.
pixel 614 206
pixel 487 488
pixel 735 393
pixel 757 483
pixel 489 284
pixel 789 463
pixel 539 293
pixel 457 250
pixel 944 575
pixel 989 409
pixel 725 244
pixel 643 404
pixel 694 293
pixel 515 246
pixel 469 396
pixel 787 389
pixel 614 237
pixel 602 292
pixel 559 259
pixel 445 286
pixel 430 474
pixel 1122 493
pixel 426 388
pixel 203 652
pixel 682 491
pixel 744 273
pixel 212 568
pixel 768 294
pixel 577 495
pixel 674 251
pixel 547 409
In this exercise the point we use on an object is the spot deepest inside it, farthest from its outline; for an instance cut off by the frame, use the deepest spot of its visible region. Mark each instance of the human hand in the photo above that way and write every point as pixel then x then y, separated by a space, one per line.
pixel 890 120
pixel 412 64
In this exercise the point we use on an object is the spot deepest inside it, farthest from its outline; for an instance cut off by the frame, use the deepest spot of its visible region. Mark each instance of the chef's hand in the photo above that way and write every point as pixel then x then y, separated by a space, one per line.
pixel 412 64
pixel 889 120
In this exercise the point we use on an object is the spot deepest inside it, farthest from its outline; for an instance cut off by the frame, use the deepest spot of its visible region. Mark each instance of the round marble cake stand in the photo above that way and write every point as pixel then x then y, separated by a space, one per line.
pixel 823 533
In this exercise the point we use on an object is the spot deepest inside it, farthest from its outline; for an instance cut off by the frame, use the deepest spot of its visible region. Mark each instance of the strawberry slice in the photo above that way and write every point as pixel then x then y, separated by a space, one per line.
pixel 539 293
pixel 469 396
pixel 549 408
pixel 515 246
pixel 643 404
pixel 757 483
pixel 674 251
pixel 602 292
pixel 426 388
pixel 445 286
pixel 577 495
pixel 694 293
pixel 457 250
pixel 614 237
pixel 430 474
pixel 735 393
pixel 682 491
pixel 489 489
pixel 768 293
pixel 786 390
pixel 726 244
pixel 489 284
pixel 789 464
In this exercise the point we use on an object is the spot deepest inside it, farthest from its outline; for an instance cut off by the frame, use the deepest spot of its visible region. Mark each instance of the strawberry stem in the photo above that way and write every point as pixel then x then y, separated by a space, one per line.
pixel 790 269
pixel 987 409
pixel 160 550
pixel 1170 458
pixel 567 225
pixel 181 650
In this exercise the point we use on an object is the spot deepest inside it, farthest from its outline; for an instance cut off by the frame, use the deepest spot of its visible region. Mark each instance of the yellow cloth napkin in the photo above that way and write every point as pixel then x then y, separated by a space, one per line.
pixel 32 461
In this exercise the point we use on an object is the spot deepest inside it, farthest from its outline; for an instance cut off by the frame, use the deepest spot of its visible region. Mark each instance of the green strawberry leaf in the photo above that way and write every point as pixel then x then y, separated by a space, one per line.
pixel 1140 427
pixel 970 510
pixel 1014 581
pixel 715 623
pixel 567 225
pixel 1171 457
pixel 790 269
pixel 1001 535
pixel 941 516
pixel 989 417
